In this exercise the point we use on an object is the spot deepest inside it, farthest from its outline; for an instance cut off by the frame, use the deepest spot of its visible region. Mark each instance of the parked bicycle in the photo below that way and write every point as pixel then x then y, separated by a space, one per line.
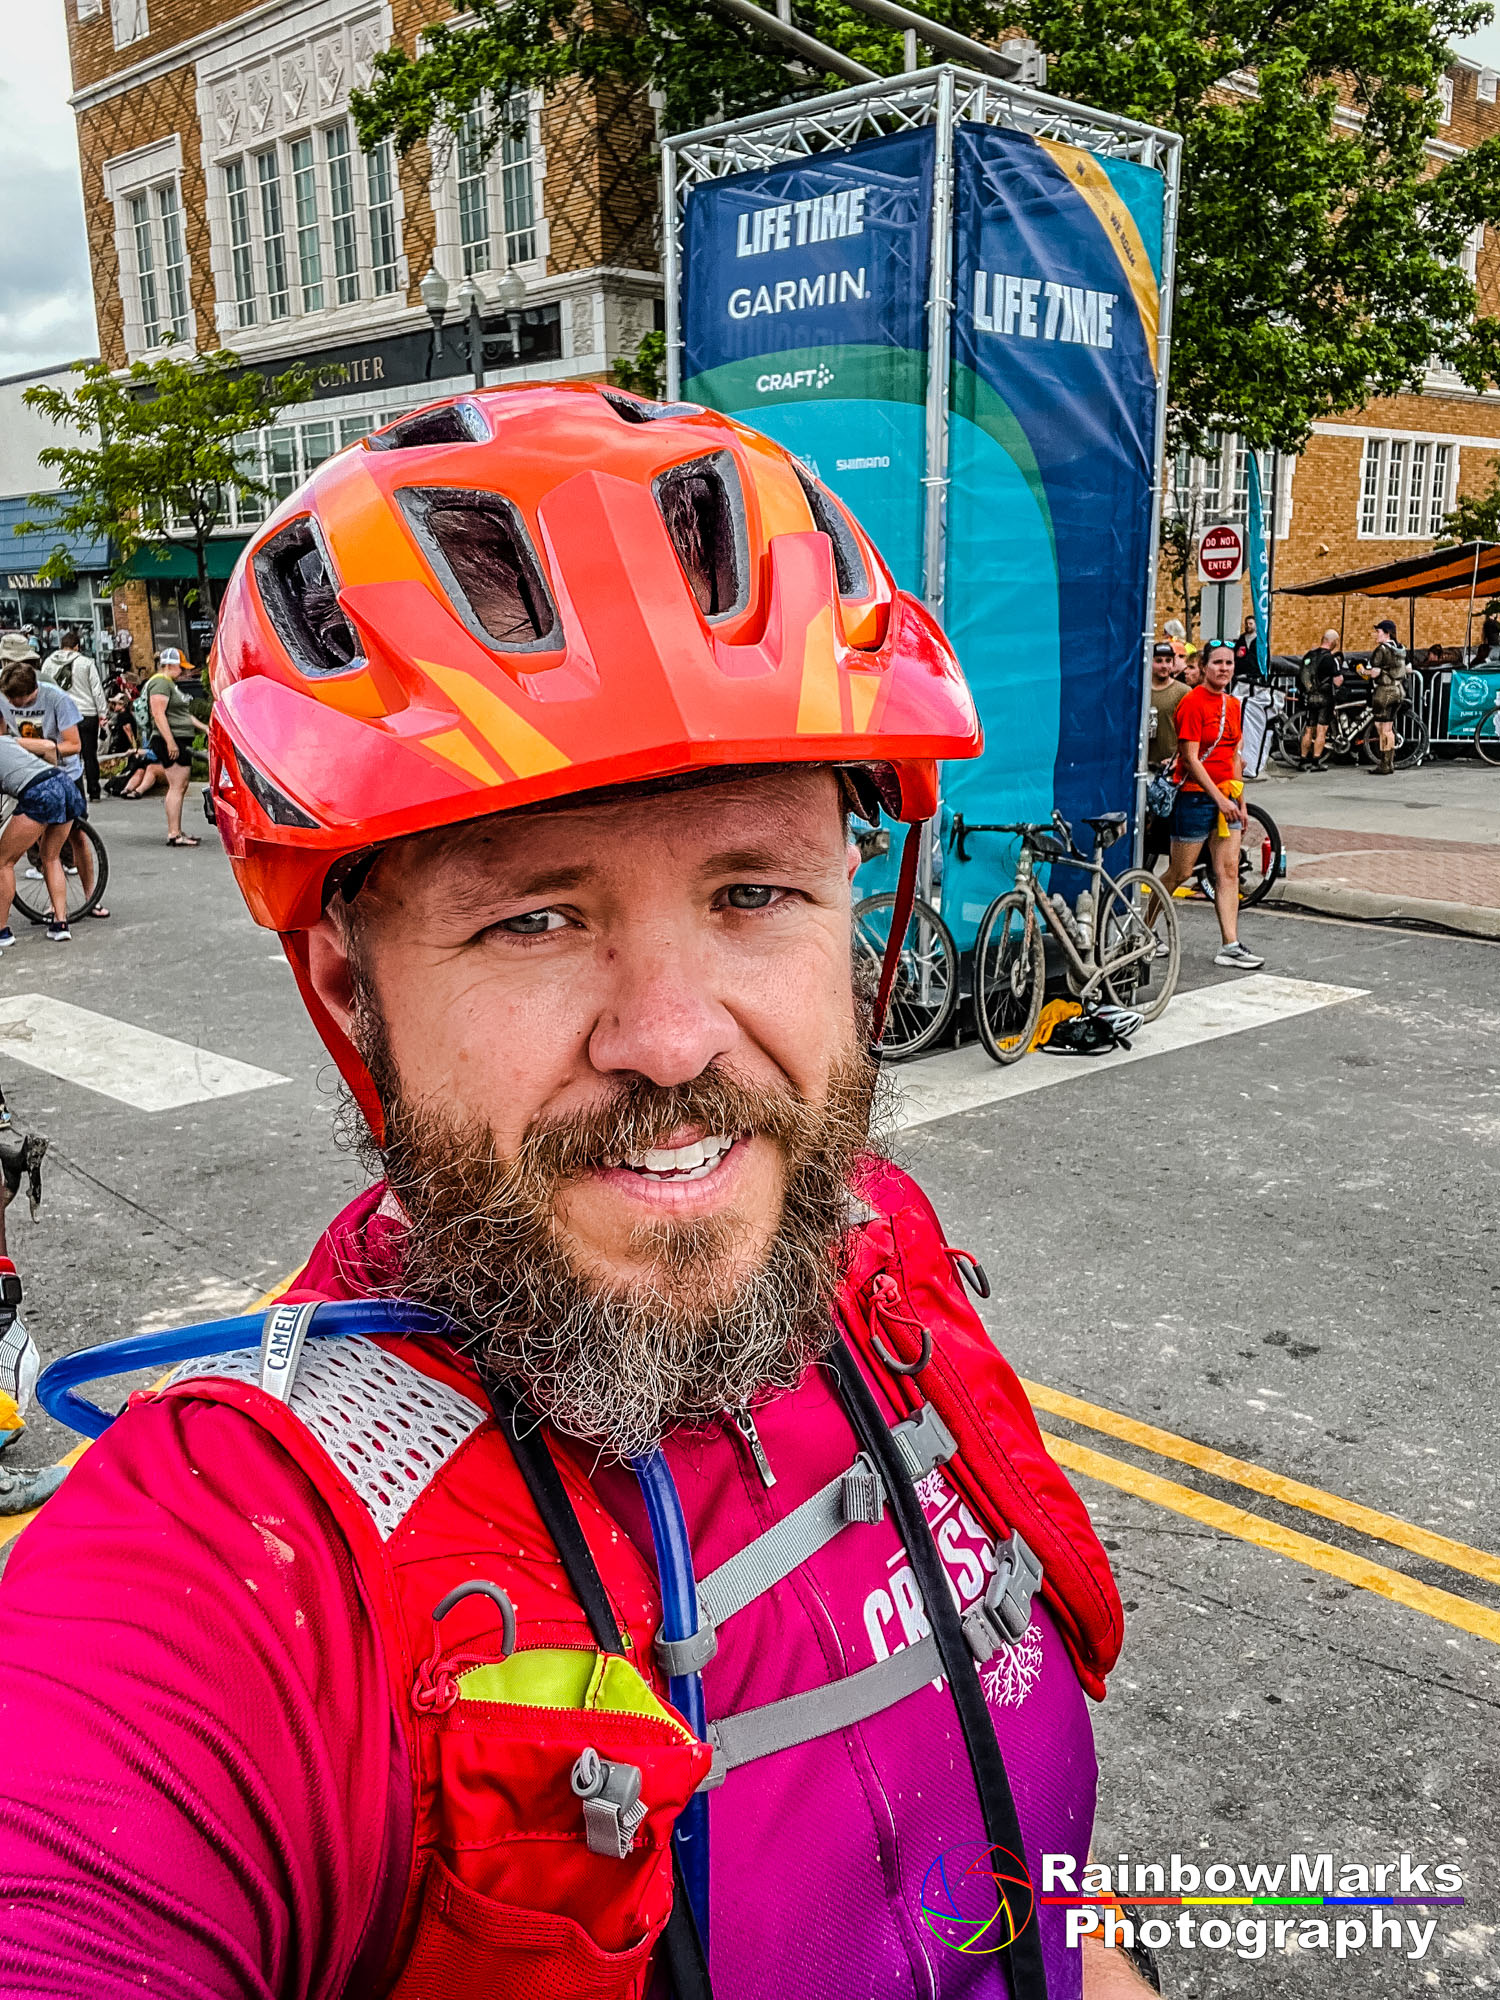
pixel 31 897
pixel 1119 942
pixel 1352 733
pixel 1487 734
pixel 1262 859
pixel 925 991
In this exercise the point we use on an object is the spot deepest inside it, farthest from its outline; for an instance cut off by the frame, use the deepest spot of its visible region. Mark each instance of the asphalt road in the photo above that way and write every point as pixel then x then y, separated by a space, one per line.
pixel 1281 1244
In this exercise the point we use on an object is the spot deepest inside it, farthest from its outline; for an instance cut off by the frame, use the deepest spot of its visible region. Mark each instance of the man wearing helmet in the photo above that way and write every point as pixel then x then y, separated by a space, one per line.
pixel 656 1522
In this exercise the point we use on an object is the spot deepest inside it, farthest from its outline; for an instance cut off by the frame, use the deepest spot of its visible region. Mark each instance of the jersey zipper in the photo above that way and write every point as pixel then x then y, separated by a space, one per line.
pixel 744 1423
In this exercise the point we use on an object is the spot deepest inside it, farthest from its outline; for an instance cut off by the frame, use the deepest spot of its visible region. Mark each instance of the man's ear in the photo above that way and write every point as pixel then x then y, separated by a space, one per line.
pixel 853 859
pixel 329 971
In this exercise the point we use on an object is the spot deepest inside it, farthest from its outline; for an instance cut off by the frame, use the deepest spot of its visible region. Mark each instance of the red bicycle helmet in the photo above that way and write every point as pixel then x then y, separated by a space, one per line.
pixel 521 594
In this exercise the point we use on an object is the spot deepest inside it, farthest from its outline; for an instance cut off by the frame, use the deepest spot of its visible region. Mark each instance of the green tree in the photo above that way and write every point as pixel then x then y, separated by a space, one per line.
pixel 1319 239
pixel 646 375
pixel 164 447
pixel 1476 518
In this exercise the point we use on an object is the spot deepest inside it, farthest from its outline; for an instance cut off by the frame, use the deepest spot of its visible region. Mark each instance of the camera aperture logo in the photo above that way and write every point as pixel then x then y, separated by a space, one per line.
pixel 977 1900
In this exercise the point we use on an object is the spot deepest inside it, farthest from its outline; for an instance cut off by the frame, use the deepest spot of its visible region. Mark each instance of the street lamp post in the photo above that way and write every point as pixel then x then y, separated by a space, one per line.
pixel 470 304
pixel 434 290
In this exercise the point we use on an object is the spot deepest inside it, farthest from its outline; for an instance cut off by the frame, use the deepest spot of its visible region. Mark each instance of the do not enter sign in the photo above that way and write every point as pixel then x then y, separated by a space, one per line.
pixel 1221 554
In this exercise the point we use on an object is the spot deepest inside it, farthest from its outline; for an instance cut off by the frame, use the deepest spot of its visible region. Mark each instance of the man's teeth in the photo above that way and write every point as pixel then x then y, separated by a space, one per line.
pixel 682 1163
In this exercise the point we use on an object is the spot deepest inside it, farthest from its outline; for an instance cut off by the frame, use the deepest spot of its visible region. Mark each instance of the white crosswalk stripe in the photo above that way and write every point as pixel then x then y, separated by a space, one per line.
pixel 133 1065
pixel 964 1079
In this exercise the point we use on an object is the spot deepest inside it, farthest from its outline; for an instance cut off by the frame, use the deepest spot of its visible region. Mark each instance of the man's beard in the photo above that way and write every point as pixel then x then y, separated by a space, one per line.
pixel 620 1364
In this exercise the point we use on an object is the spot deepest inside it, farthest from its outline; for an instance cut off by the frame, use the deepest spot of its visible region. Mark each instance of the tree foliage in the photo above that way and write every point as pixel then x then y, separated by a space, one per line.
pixel 163 448
pixel 1319 235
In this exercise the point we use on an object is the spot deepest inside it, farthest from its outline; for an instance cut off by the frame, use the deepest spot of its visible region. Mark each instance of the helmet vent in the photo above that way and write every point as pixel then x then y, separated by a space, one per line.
pixel 704 512
pixel 479 548
pixel 273 803
pixel 828 518
pixel 446 423
pixel 301 594
pixel 635 410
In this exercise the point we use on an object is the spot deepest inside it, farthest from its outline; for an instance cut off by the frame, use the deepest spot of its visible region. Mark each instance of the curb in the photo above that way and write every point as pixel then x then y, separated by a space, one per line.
pixel 1370 906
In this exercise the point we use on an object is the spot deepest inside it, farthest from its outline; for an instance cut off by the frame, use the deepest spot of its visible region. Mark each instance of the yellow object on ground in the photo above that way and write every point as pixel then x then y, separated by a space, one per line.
pixel 1054 1013
pixel 10 1416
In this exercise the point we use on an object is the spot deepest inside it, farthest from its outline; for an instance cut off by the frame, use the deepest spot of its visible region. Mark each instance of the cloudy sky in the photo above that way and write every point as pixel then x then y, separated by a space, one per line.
pixel 46 308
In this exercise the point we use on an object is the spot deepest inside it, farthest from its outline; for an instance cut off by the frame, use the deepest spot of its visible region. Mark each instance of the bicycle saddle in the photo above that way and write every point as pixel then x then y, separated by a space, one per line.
pixel 1108 827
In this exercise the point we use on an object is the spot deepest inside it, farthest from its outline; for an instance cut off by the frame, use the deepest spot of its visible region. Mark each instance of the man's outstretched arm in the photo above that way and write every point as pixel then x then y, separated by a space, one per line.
pixel 195 1741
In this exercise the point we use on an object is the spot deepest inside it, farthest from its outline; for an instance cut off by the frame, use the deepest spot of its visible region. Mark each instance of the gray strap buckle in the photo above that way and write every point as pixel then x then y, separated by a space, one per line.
pixel 687 1656
pixel 283 1333
pixel 612 1808
pixel 923 1441
pixel 1003 1614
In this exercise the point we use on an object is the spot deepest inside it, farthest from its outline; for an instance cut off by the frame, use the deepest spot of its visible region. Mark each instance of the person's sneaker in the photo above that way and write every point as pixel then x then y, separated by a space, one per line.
pixel 33 874
pixel 60 934
pixel 7 938
pixel 1236 954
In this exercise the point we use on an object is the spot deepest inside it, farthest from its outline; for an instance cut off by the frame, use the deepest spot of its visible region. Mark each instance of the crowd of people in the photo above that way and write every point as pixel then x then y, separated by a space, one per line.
pixel 63 719
pixel 1326 669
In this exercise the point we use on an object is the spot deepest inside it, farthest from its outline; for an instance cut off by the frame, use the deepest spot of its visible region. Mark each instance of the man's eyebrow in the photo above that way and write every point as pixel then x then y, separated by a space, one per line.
pixel 481 887
pixel 766 860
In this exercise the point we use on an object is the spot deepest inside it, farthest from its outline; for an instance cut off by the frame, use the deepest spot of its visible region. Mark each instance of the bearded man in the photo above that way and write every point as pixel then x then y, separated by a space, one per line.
pixel 620 1563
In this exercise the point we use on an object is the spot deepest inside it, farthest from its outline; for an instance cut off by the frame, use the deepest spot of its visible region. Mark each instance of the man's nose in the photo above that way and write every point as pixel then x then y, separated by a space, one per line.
pixel 662 1017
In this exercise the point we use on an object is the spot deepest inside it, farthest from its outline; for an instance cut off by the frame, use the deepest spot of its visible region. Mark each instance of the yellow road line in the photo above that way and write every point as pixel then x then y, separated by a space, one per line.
pixel 1389 1583
pixel 1240 1472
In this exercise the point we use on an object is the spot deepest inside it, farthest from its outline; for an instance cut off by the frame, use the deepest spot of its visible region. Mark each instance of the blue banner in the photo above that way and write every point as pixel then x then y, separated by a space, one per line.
pixel 805 313
pixel 1052 464
pixel 1260 566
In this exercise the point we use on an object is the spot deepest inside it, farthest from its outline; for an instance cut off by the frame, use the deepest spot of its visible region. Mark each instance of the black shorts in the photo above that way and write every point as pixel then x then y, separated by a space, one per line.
pixel 1317 708
pixel 184 753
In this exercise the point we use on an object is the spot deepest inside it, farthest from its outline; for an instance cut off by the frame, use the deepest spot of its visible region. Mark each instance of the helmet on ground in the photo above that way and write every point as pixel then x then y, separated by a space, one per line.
pixel 520 595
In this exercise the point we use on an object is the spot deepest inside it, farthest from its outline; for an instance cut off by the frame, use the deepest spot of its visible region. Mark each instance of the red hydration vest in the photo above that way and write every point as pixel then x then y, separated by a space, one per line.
pixel 514 1885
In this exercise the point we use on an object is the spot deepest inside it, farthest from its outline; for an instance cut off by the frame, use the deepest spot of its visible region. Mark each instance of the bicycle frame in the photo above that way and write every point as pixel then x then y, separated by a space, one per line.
pixel 1037 905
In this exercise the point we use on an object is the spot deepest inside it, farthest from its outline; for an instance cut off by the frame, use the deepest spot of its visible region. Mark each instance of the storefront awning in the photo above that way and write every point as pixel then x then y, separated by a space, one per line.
pixel 25 554
pixel 160 561
pixel 1469 569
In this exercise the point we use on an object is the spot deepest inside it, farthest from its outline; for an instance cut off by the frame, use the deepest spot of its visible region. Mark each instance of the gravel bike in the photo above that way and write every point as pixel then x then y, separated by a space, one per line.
pixel 1352 733
pixel 1125 937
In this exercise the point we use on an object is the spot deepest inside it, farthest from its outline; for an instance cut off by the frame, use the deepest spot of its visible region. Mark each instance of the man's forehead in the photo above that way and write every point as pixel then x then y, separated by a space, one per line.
pixel 750 812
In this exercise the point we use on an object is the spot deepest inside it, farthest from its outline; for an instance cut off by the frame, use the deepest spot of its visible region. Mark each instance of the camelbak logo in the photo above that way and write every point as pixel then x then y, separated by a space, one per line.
pixel 281 1340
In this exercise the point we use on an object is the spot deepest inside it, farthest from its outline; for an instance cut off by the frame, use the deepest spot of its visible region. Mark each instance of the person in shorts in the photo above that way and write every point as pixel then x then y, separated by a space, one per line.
pixel 1210 806
pixel 47 803
pixel 1389 669
pixel 1320 673
pixel 46 721
pixel 173 726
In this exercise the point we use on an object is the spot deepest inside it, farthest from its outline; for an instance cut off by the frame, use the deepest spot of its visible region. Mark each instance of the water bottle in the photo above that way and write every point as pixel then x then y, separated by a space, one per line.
pixel 1065 917
pixel 1085 917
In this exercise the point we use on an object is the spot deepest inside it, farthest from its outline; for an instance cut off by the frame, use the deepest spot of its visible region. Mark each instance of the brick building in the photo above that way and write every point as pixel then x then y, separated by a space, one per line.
pixel 1373 486
pixel 228 204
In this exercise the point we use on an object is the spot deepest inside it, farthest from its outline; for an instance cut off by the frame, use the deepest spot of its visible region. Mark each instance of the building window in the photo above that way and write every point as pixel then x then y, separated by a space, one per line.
pixel 1445 100
pixel 473 198
pixel 1484 88
pixel 1405 489
pixel 497 196
pixel 129 21
pixel 1216 485
pixel 238 196
pixel 273 234
pixel 284 456
pixel 380 189
pixel 337 207
pixel 518 182
pixel 155 217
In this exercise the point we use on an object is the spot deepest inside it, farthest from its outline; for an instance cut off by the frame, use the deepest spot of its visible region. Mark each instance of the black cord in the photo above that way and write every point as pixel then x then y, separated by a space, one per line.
pixel 681 1948
pixel 1023 1962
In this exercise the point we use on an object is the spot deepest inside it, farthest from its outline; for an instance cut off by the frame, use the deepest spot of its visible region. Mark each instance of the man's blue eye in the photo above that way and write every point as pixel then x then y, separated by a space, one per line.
pixel 749 896
pixel 533 924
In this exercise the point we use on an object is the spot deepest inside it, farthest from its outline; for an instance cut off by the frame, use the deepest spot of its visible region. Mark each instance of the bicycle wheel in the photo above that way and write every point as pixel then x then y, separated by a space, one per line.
pixel 32 899
pixel 925 991
pixel 1413 739
pixel 1260 861
pixel 1487 736
pixel 1010 977
pixel 1286 742
pixel 1137 918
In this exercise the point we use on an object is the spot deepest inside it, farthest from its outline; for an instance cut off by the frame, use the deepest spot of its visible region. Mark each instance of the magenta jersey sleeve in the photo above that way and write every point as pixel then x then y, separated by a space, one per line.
pixel 200 1789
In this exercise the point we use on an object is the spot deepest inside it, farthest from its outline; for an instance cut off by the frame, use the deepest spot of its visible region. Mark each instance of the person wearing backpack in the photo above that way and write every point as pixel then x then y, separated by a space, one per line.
pixel 74 672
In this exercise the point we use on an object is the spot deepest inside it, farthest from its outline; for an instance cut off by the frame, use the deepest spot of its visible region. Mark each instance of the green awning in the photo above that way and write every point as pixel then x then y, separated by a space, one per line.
pixel 158 561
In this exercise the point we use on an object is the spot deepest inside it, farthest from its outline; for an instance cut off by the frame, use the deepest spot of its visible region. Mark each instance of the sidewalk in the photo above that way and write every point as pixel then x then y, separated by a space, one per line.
pixel 1422 846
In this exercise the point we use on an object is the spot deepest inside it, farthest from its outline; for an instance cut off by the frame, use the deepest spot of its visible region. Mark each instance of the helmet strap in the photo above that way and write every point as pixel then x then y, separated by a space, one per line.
pixel 906 890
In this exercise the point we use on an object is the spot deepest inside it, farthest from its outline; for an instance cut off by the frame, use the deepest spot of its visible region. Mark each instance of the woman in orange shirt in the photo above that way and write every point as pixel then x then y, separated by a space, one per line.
pixel 1209 804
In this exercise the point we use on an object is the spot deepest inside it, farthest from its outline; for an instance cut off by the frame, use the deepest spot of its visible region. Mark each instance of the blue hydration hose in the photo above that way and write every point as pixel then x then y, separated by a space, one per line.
pixel 679 1620
pixel 56 1388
